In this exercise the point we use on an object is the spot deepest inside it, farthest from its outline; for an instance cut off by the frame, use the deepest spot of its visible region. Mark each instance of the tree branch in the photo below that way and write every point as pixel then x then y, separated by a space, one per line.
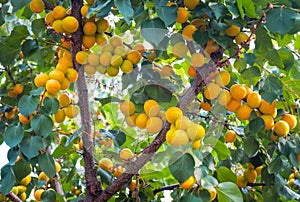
pixel 93 186
pixel 169 187
pixel 48 5
pixel 10 75
pixel 13 197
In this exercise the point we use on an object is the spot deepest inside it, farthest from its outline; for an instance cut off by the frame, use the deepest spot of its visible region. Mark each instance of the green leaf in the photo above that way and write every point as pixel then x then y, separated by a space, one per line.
pixel 47 165
pixel 219 10
pixel 274 58
pixel 280 20
pixel 287 58
pixel 100 9
pixel 48 196
pixel 256 125
pixel 13 135
pixel 271 88
pixel 12 155
pixel 209 181
pixel 168 14
pixel 21 169
pixel 252 75
pixel 27 104
pixel 31 146
pixel 190 197
pixel 51 106
pixel 246 6
pixel 125 9
pixel 251 146
pixel 229 192
pixel 181 166
pixel 18 34
pixel 221 149
pixel 8 179
pixel 8 53
pixel 105 176
pixel 262 41
pixel 108 100
pixel 153 30
pixel 224 174
pixel 60 151
pixel 38 27
pixel 278 164
pixel 29 47
pixel 42 125
pixel 74 136
pixel 158 93
pixel 18 4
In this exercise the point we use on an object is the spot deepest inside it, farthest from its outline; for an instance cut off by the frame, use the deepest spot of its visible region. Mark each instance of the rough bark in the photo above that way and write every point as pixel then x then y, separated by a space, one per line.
pixel 93 186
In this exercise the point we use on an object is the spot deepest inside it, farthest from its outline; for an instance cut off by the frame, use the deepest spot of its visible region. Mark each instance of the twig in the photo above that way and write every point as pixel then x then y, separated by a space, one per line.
pixel 10 75
pixel 169 187
pixel 48 5
pixel 13 197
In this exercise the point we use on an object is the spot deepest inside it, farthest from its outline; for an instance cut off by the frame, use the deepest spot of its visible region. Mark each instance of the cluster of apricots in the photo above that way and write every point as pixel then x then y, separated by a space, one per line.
pixel 181 131
pixel 21 188
pixel 249 175
pixel 125 155
pixel 112 58
pixel 293 176
pixel 243 101
pixel 17 89
pixel 235 31
pixel 67 108
pixel 46 180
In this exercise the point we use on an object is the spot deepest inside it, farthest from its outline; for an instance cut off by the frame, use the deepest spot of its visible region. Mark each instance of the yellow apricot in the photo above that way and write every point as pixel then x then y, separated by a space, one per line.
pixel 84 10
pixel 126 66
pixel 105 164
pixel 105 58
pixel 116 60
pixel 179 49
pixel 241 37
pixel 222 78
pixel 195 131
pixel 238 91
pixel 25 181
pixel 182 15
pixel 130 120
pixel 182 123
pixel 151 108
pixel 254 99
pixel 197 59
pixel 115 41
pixel 141 120
pixel 57 167
pixel 38 194
pixel 188 32
pixel 244 112
pixel 57 26
pixel 178 138
pixel 89 28
pixel 267 108
pixel 139 47
pixel 213 193
pixel 81 57
pixel 43 177
pixel 224 97
pixel 290 119
pixel 49 19
pixel 281 128
pixel 172 114
pixel 37 6
pixel 154 125
pixel 233 105
pixel 71 74
pixel 241 181
pixel 88 41
pixel 126 154
pixel 71 111
pixel 212 91
pixel 93 59
pixel 127 108
pixel 205 106
pixel 196 144
pixel 57 75
pixel 233 30
pixel 101 39
pixel 18 89
pixel 59 12
pixel 268 121
pixel 134 56
pixel 188 183
pixel 102 25
pixel 191 4
pixel 230 136
pixel 118 171
pixel 70 24
pixel 59 116
pixel 112 71
pixel 250 175
pixel 52 86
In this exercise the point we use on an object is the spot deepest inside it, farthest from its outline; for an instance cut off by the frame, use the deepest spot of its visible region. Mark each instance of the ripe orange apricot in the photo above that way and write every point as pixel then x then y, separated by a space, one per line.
pixel 88 41
pixel 188 32
pixel 59 116
pixel 195 131
pixel 290 119
pixel 71 74
pixel 57 167
pixel 141 120
pixel 182 123
pixel 38 194
pixel 241 181
pixel 37 6
pixel 230 136
pixel 126 66
pixel 244 112
pixel 64 100
pixel 101 39
pixel 238 91
pixel 250 175
pixel 130 120
pixel 154 125
pixel 268 121
pixel 182 15
pixel 224 97
pixel 254 99
pixel 81 57
pixel 126 154
pixel 52 86
pixel 134 56
pixel 132 185
pixel 106 164
pixel 59 12
pixel 139 47
pixel 18 89
pixel 178 138
pixel 267 108
pixel 84 10
pixel 205 106
pixel 192 72
pixel 57 75
pixel 233 105
pixel 70 24
pixel 71 111
pixel 89 28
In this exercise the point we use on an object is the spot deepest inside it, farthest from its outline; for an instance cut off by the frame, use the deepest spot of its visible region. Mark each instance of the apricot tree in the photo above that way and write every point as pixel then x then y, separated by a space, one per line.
pixel 123 100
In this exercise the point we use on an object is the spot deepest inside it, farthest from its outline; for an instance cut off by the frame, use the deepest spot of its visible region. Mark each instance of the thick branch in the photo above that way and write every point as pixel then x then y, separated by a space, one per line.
pixel 92 184
pixel 13 197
